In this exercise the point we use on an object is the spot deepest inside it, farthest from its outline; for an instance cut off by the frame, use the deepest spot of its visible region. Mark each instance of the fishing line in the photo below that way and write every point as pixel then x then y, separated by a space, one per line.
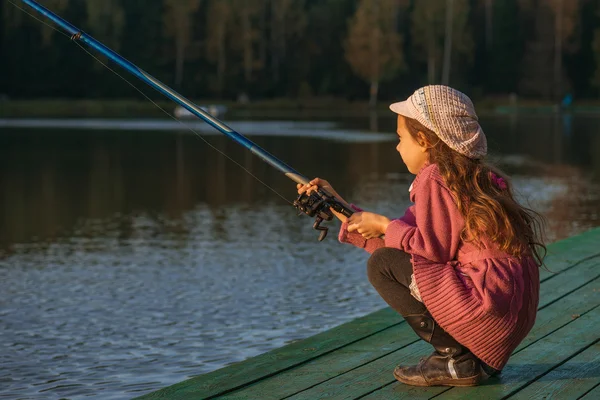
pixel 155 104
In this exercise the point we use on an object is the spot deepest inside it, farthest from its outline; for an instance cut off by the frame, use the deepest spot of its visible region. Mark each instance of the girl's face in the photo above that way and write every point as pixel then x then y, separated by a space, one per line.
pixel 414 154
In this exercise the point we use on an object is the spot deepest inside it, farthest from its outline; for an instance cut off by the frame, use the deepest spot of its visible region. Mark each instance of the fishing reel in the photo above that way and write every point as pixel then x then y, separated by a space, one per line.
pixel 318 204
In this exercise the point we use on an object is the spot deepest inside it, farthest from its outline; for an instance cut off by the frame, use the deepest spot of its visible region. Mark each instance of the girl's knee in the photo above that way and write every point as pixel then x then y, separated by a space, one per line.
pixel 379 262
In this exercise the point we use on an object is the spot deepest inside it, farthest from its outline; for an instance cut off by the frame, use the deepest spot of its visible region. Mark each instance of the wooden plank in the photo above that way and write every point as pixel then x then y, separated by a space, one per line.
pixel 323 368
pixel 561 312
pixel 384 366
pixel 569 381
pixel 568 280
pixel 366 378
pixel 328 366
pixel 264 365
pixel 548 320
pixel 568 252
pixel 536 360
pixel 562 256
pixel 593 394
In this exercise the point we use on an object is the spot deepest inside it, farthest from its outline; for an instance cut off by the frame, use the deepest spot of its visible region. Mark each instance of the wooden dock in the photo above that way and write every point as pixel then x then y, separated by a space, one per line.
pixel 560 359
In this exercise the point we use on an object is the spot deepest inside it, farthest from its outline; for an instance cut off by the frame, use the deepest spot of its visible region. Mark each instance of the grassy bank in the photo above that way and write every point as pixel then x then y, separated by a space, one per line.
pixel 284 108
pixel 67 108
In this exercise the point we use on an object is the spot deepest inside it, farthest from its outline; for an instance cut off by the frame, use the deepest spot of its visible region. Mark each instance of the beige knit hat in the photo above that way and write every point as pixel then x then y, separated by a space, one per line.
pixel 450 114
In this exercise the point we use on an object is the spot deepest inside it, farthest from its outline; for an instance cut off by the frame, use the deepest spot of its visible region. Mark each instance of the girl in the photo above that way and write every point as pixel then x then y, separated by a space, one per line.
pixel 461 265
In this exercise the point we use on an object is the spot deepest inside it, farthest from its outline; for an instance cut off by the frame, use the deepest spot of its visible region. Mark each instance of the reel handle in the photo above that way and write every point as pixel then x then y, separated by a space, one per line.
pixel 318 204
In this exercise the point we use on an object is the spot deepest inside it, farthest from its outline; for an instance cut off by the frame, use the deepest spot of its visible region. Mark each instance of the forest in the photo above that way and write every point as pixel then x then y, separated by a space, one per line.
pixel 353 49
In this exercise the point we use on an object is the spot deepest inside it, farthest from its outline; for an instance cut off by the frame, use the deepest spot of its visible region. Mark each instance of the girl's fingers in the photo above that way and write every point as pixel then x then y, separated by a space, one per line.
pixel 305 188
pixel 354 218
pixel 312 188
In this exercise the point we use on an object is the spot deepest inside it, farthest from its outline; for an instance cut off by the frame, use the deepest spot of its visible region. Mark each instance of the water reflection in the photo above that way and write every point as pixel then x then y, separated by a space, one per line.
pixel 132 260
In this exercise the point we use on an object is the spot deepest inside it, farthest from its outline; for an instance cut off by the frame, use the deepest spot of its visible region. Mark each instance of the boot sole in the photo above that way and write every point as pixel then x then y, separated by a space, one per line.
pixel 460 382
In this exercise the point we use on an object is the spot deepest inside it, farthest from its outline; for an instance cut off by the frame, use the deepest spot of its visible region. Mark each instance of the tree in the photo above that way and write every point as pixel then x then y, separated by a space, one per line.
pixel 56 6
pixel 107 20
pixel 554 22
pixel 489 23
pixel 247 12
pixel 430 31
pixel 216 40
pixel 12 17
pixel 318 57
pixel 536 71
pixel 373 47
pixel 178 25
pixel 596 50
pixel 287 19
pixel 565 20
pixel 501 70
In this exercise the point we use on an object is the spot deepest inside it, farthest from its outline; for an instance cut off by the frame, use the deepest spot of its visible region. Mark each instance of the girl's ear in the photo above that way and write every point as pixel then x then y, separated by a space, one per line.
pixel 422 140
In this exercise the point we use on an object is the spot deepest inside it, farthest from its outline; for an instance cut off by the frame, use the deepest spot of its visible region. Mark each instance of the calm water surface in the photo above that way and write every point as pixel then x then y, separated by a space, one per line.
pixel 131 260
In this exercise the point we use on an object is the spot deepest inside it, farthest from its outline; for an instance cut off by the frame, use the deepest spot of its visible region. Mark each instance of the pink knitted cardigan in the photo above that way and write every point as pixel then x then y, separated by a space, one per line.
pixel 486 299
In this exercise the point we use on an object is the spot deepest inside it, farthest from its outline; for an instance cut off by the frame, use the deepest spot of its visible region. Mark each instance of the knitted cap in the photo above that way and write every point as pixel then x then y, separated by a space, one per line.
pixel 450 114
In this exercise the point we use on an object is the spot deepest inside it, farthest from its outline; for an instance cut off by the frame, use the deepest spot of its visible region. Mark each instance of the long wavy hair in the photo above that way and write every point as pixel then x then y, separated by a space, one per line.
pixel 489 207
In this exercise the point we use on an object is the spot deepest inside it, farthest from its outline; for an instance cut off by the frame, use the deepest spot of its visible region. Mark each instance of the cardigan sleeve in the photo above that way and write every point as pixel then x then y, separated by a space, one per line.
pixel 437 226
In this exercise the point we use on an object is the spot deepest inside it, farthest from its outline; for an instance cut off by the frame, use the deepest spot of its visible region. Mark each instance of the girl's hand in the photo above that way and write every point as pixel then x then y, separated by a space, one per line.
pixel 322 183
pixel 370 225
pixel 314 185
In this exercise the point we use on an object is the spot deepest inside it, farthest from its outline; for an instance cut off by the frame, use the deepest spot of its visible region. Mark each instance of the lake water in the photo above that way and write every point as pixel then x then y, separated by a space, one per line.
pixel 133 259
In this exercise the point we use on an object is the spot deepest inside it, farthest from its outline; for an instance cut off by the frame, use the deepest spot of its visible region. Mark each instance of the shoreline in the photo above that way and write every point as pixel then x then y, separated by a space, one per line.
pixel 283 108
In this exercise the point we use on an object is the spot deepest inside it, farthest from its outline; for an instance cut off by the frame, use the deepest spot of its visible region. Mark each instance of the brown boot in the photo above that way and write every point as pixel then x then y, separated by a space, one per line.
pixel 451 364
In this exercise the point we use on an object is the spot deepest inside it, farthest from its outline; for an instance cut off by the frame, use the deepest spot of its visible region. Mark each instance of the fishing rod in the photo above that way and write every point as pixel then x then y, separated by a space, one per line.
pixel 317 204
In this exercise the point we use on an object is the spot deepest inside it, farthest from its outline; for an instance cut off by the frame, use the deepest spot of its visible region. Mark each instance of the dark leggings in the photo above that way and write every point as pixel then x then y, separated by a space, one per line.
pixel 389 271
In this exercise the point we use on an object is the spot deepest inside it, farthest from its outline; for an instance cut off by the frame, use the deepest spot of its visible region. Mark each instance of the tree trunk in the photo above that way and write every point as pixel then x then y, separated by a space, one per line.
pixel 179 57
pixel 247 40
pixel 274 42
pixel 558 50
pixel 448 42
pixel 221 63
pixel 373 94
pixel 431 64
pixel 489 20
pixel 262 45
pixel 375 73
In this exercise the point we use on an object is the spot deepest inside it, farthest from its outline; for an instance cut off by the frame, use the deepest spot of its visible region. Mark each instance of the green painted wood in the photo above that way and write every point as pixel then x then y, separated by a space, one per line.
pixel 328 366
pixel 548 320
pixel 536 360
pixel 323 368
pixel 366 378
pixel 568 280
pixel 569 381
pixel 563 256
pixel 562 312
pixel 593 394
pixel 567 252
pixel 269 363
pixel 587 299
